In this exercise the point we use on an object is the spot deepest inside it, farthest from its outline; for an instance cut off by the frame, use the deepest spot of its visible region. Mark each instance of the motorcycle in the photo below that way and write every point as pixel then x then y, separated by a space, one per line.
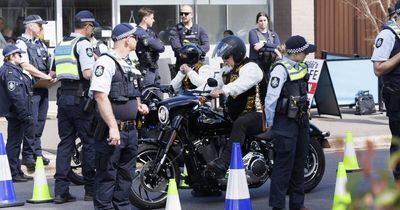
pixel 192 135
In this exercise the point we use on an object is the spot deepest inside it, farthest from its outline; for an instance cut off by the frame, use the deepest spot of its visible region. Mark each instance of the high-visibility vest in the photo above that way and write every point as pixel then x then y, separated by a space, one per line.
pixel 66 61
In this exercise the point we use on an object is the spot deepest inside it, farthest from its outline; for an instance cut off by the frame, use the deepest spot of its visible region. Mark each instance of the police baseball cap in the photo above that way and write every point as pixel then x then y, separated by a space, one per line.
pixel 86 16
pixel 123 30
pixel 298 44
pixel 11 49
pixel 34 19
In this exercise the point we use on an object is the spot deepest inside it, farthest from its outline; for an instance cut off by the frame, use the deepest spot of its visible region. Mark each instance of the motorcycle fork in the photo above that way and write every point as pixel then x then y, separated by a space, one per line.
pixel 175 124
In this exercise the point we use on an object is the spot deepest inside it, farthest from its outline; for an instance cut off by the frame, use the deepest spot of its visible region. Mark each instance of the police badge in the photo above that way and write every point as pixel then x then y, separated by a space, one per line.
pixel 275 82
pixel 11 85
pixel 99 71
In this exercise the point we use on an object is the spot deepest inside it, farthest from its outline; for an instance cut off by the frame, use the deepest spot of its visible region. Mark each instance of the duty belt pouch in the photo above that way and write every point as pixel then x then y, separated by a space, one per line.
pixel 282 106
pixel 293 108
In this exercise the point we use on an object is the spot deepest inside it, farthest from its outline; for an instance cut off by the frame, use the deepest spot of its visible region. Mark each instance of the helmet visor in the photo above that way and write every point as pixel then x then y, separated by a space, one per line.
pixel 222 50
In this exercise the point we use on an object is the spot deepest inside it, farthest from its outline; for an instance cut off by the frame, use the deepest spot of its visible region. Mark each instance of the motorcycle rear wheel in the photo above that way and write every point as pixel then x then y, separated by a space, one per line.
pixel 314 167
pixel 140 193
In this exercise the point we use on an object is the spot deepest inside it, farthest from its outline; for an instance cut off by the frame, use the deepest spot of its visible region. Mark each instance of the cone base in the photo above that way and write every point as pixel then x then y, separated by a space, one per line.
pixel 5 205
pixel 50 200
pixel 353 170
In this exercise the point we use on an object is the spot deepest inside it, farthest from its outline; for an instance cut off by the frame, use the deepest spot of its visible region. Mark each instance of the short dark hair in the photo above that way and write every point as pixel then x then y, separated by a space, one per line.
pixel 228 32
pixel 80 25
pixel 260 14
pixel 143 12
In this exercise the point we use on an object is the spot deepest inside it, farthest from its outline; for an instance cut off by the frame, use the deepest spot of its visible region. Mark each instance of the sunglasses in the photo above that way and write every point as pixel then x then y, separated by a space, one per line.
pixel 133 36
pixel 91 25
pixel 184 13
pixel 225 57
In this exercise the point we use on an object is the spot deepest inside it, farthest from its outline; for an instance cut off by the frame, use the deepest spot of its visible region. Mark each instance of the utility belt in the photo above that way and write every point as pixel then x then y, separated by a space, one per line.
pixel 391 96
pixel 294 107
pixel 126 125
pixel 75 88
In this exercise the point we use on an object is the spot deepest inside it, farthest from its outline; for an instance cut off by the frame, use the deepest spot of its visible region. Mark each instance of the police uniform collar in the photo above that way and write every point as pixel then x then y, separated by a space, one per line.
pixel 74 34
pixel 288 60
pixel 29 38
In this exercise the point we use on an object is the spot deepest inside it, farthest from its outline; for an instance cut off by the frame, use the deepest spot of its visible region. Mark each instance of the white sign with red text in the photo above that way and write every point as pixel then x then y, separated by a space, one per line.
pixel 314 70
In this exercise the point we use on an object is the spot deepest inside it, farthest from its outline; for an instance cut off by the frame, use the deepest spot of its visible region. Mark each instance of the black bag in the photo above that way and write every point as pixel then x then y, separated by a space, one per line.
pixel 364 103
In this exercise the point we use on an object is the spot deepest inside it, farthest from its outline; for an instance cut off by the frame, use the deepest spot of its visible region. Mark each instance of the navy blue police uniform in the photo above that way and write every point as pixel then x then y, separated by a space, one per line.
pixel 180 35
pixel 17 88
pixel 114 163
pixel 75 110
pixel 286 110
pixel 37 55
pixel 387 45
pixel 148 51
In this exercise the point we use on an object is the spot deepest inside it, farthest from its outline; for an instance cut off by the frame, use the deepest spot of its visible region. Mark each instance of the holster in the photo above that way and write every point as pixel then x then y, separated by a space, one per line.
pixel 391 97
pixel 88 104
pixel 101 129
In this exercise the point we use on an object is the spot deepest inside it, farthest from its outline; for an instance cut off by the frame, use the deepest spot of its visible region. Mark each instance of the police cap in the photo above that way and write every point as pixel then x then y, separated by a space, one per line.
pixel 34 19
pixel 124 30
pixel 298 44
pixel 11 49
pixel 86 16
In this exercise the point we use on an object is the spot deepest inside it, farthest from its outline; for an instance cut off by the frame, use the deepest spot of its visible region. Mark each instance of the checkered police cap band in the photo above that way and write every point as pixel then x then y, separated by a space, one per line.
pixel 124 35
pixel 298 50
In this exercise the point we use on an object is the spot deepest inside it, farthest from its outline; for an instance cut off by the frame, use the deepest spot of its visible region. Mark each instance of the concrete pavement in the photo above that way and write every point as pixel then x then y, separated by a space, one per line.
pixel 373 127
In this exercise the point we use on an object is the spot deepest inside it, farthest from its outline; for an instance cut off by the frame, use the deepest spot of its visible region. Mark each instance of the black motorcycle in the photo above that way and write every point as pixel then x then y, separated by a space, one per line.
pixel 194 134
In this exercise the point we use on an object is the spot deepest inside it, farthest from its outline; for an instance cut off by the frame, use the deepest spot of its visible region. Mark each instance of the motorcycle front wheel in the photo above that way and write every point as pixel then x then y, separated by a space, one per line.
pixel 149 190
pixel 314 167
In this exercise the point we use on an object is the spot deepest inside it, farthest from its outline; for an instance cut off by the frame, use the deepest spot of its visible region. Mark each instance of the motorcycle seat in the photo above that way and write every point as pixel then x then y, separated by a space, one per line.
pixel 265 136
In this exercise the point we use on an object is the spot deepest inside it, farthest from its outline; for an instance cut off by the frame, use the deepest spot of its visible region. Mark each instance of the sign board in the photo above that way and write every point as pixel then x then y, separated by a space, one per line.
pixel 49 31
pixel 320 88
pixel 314 70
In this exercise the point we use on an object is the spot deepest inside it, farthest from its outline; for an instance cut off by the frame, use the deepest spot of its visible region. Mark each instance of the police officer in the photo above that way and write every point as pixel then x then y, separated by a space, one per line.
pixel 18 90
pixel 386 60
pixel 286 109
pixel 187 32
pixel 239 80
pixel 99 42
pixel 74 61
pixel 192 73
pixel 148 48
pixel 37 58
pixel 263 43
pixel 116 90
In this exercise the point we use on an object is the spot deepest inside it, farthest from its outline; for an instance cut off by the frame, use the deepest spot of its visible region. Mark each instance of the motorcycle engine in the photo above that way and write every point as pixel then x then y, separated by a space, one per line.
pixel 256 167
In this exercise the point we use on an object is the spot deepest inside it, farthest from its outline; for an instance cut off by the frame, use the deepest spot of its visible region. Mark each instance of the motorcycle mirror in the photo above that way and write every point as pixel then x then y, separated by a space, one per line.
pixel 211 82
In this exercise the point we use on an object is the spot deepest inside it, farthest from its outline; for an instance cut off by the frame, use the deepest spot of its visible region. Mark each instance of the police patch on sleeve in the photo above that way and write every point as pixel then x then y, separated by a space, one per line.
pixel 378 42
pixel 11 85
pixel 89 52
pixel 275 82
pixel 99 71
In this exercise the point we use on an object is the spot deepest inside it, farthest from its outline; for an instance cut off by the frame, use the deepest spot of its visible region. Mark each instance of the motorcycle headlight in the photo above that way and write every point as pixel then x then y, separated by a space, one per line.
pixel 163 114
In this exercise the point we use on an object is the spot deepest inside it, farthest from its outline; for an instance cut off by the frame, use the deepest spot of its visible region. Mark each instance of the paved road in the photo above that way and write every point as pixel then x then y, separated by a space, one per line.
pixel 320 198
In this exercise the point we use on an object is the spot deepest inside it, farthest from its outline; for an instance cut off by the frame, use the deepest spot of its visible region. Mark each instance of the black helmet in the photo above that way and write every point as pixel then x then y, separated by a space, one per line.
pixel 190 54
pixel 231 45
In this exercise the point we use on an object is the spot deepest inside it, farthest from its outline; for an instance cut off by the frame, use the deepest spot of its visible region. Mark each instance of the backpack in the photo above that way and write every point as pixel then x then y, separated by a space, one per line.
pixel 364 103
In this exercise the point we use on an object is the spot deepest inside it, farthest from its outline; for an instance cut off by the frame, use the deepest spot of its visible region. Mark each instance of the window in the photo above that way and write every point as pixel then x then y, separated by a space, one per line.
pixel 213 19
pixel 13 12
pixel 165 16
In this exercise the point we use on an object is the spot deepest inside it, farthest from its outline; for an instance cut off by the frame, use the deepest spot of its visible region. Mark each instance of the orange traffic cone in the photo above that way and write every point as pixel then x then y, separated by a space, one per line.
pixel 41 192
pixel 7 193
pixel 173 196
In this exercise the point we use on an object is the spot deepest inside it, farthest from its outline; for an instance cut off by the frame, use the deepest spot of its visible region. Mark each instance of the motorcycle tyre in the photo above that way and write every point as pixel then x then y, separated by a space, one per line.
pixel 319 172
pixel 75 178
pixel 137 202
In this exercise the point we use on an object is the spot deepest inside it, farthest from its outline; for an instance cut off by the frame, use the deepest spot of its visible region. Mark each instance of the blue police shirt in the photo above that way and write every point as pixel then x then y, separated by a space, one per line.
pixel 277 80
